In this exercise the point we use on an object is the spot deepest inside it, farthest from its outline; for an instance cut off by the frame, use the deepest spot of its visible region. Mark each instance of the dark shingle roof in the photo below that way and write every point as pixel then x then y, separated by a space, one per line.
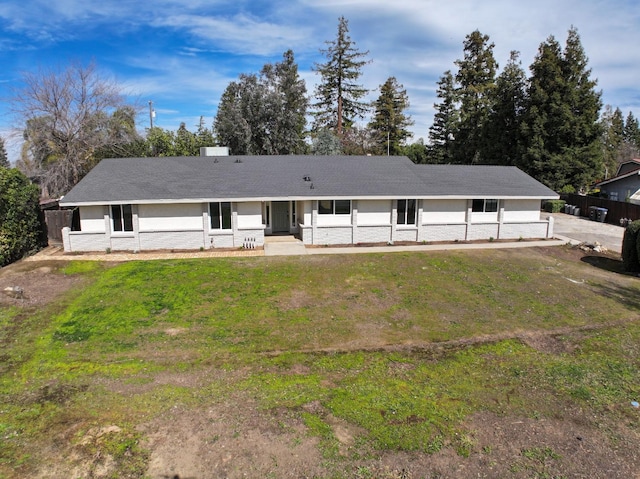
pixel 480 181
pixel 137 180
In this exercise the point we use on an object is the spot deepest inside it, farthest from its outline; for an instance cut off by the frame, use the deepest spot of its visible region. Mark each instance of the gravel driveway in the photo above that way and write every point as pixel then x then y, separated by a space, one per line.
pixel 582 229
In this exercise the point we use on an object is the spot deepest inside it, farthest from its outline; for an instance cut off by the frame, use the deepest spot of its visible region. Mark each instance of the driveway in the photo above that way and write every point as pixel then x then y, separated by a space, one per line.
pixel 582 229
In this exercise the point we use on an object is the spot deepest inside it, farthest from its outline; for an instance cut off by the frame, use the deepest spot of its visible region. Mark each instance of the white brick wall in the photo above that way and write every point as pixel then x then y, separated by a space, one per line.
pixel 253 237
pixel 171 240
pixel 406 234
pixel 373 234
pixel 333 235
pixel 523 230
pixel 443 232
pixel 79 241
pixel 124 243
pixel 482 231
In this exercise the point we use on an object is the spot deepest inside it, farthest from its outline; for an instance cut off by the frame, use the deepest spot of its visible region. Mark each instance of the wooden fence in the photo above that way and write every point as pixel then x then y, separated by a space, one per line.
pixel 55 221
pixel 616 210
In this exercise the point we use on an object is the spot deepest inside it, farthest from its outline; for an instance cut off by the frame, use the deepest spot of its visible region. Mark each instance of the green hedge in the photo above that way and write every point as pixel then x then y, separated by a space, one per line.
pixel 20 216
pixel 631 247
pixel 554 206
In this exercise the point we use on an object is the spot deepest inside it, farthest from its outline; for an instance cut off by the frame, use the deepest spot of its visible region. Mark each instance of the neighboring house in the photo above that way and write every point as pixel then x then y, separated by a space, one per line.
pixel 625 186
pixel 232 201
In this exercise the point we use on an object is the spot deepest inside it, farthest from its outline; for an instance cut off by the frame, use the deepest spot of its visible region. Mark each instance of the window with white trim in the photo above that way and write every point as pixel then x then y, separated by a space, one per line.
pixel 484 206
pixel 121 218
pixel 334 207
pixel 220 215
pixel 407 212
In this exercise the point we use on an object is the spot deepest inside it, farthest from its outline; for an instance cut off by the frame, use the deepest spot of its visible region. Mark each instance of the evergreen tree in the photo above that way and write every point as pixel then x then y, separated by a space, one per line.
pixel 339 94
pixel 389 124
pixel 4 159
pixel 502 131
pixel 560 128
pixel 291 92
pixel 613 143
pixel 265 114
pixel 632 135
pixel 476 80
pixel 445 124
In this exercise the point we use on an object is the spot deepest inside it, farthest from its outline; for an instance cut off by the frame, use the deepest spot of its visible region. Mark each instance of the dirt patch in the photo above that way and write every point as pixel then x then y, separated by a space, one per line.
pixel 40 283
pixel 231 440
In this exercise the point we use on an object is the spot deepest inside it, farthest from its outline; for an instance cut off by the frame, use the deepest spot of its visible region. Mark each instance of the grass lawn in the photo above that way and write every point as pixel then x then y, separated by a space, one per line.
pixel 514 363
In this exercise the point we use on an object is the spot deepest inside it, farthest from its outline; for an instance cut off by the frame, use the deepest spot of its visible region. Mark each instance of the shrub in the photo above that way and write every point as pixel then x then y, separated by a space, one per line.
pixel 20 216
pixel 630 247
pixel 554 206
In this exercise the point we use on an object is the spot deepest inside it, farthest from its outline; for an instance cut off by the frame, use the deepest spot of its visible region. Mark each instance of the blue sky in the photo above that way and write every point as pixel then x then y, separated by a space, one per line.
pixel 182 54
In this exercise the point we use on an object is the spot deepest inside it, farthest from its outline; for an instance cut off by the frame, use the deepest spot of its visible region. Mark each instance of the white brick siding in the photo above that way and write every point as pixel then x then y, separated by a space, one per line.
pixel 443 232
pixel 482 231
pixel 171 240
pixel 373 234
pixel 524 230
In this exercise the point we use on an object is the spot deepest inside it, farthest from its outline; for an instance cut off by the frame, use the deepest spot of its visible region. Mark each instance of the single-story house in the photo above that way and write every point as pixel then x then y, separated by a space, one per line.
pixel 206 202
pixel 625 186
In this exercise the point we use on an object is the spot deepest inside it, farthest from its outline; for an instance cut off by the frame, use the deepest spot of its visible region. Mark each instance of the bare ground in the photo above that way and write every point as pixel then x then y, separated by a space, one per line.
pixel 234 438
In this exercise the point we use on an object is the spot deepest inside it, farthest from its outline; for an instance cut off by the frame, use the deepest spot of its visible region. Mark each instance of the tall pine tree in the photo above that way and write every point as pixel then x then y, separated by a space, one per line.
pixel 339 94
pixel 502 131
pixel 560 128
pixel 476 78
pixel 445 123
pixel 389 124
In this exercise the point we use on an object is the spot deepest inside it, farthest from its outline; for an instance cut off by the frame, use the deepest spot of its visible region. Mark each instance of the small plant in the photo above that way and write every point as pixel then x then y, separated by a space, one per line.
pixel 491 239
pixel 201 248
pixel 108 251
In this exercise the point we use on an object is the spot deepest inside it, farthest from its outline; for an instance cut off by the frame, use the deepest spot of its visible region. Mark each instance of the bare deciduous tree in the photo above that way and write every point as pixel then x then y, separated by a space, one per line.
pixel 67 116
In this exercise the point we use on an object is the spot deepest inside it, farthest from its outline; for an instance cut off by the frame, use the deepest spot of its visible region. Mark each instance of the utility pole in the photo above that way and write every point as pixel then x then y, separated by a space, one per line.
pixel 152 114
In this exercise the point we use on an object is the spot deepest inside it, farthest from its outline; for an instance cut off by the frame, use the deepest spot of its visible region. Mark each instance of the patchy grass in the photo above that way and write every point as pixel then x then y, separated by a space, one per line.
pixel 370 354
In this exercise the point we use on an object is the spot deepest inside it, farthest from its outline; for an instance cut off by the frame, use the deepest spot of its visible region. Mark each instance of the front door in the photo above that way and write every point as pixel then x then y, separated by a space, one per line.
pixel 280 216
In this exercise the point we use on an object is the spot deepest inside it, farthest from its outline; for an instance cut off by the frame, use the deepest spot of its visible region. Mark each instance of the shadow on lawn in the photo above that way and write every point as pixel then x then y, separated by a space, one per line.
pixel 607 263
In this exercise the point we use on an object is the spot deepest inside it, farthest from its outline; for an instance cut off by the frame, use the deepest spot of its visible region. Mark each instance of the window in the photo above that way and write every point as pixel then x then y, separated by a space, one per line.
pixel 75 220
pixel 293 213
pixel 121 218
pixel 484 206
pixel 220 215
pixel 407 212
pixel 334 207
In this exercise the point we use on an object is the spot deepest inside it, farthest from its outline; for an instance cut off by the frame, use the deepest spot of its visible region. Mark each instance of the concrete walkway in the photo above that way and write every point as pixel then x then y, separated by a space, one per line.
pixel 285 245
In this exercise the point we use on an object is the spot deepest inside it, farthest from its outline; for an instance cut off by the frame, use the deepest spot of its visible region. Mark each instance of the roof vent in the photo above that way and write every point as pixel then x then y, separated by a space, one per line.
pixel 312 187
pixel 306 178
pixel 238 160
pixel 215 160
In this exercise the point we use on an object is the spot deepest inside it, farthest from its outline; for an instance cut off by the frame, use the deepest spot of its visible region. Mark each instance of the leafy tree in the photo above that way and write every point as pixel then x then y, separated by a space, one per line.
pixel 182 142
pixel 417 152
pixel 476 80
pixel 560 128
pixel 339 94
pixel 502 131
pixel 265 114
pixel 445 125
pixel 20 217
pixel 4 159
pixel 357 141
pixel 389 124
pixel 68 117
pixel 326 143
